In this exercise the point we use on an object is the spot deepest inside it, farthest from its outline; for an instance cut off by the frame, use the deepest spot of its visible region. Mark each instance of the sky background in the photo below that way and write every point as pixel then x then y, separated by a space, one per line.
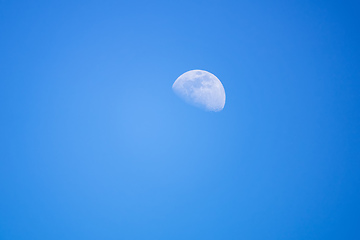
pixel 95 145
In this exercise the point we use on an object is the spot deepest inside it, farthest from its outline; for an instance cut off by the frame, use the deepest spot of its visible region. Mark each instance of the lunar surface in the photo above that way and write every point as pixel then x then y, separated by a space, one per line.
pixel 201 89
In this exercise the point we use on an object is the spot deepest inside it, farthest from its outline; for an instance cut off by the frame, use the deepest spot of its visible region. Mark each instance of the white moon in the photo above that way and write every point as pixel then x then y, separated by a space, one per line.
pixel 202 89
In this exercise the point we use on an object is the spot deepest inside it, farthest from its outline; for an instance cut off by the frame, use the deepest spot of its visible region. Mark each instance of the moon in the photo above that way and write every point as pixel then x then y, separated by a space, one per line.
pixel 201 89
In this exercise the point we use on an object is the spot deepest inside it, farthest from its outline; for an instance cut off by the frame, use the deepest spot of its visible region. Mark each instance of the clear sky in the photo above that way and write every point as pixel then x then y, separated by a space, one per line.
pixel 95 144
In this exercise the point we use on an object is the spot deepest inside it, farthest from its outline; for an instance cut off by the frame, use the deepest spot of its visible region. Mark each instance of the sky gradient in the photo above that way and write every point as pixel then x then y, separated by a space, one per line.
pixel 95 144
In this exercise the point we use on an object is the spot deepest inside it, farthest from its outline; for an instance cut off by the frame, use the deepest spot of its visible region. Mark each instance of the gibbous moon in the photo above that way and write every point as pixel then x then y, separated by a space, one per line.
pixel 201 89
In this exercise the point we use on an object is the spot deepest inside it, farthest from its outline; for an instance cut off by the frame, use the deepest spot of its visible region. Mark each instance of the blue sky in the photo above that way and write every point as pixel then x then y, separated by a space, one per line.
pixel 95 145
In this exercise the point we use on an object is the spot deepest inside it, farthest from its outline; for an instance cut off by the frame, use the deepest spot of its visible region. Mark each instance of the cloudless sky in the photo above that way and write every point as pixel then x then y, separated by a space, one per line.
pixel 95 145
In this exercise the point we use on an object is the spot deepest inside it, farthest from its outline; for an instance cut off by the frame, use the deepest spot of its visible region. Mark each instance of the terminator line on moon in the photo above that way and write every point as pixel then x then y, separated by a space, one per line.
pixel 201 89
